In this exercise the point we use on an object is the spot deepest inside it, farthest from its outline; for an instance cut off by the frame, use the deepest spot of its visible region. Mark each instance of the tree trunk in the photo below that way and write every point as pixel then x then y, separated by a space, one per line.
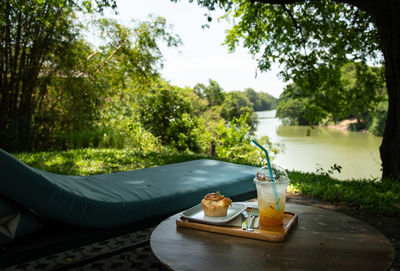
pixel 387 19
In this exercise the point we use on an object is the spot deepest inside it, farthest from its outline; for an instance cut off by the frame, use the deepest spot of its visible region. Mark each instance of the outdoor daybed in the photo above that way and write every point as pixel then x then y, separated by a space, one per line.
pixel 87 208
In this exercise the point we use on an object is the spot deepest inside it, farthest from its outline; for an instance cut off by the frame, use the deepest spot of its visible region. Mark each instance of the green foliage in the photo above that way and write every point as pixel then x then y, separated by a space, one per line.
pixel 303 36
pixel 360 89
pixel 379 119
pixel 213 93
pixel 36 36
pixel 235 105
pixel 61 83
pixel 166 112
pixel 330 171
pixel 125 134
pixel 133 52
pixel 123 69
pixel 234 142
pixel 260 101
pixel 314 41
pixel 364 88
pixel 293 111
pixel 99 161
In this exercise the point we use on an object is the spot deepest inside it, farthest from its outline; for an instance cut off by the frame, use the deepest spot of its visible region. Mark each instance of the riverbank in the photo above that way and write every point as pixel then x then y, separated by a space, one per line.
pixel 344 125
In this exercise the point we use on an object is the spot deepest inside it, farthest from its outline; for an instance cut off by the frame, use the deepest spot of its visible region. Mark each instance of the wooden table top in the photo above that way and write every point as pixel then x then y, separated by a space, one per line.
pixel 323 240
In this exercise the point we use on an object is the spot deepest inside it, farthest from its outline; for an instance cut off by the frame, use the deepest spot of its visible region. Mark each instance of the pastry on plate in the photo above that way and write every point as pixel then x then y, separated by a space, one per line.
pixel 215 204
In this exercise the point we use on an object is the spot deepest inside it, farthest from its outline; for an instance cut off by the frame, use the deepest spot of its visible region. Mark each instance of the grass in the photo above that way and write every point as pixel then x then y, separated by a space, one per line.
pixel 99 161
pixel 376 197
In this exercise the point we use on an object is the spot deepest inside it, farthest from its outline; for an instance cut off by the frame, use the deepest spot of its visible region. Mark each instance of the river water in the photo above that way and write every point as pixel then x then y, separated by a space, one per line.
pixel 356 152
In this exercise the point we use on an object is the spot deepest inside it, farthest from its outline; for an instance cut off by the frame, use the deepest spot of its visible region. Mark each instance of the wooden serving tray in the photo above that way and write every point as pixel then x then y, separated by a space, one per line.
pixel 271 233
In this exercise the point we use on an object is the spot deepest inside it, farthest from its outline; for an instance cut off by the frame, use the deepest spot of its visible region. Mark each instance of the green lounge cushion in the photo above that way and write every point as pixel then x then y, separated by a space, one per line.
pixel 110 200
pixel 15 221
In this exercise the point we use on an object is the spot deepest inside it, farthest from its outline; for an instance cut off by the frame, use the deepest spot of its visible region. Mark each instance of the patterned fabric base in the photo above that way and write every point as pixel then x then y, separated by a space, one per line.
pixel 15 221
pixel 140 258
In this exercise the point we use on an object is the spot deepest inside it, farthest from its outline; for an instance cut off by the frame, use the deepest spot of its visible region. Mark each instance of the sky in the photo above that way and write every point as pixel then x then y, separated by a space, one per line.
pixel 202 55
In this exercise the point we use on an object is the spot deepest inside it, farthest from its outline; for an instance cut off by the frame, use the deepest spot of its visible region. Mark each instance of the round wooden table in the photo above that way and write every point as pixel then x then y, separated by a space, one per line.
pixel 323 240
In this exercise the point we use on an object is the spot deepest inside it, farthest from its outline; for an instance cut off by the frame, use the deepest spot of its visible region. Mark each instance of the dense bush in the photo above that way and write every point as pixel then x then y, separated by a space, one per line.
pixel 234 142
pixel 167 113
pixel 235 105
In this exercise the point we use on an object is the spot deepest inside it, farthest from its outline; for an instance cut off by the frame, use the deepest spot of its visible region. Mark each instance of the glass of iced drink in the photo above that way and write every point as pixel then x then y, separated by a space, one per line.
pixel 271 196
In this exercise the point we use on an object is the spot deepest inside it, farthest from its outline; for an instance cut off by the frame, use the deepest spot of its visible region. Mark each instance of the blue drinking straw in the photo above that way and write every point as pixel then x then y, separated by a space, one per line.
pixel 270 172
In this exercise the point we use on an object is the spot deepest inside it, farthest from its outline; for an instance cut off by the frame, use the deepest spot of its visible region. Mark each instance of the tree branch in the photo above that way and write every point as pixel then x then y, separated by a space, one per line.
pixel 297 26
pixel 68 115
pixel 111 55
pixel 361 4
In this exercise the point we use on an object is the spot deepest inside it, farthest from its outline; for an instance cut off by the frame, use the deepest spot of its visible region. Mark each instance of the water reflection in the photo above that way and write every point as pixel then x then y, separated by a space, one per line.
pixel 356 152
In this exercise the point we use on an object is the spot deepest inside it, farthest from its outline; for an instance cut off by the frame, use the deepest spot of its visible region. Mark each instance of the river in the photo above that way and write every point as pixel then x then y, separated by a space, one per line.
pixel 356 152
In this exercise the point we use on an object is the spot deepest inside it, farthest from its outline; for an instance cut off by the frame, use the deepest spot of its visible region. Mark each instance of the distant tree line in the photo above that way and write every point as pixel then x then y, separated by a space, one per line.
pixel 257 101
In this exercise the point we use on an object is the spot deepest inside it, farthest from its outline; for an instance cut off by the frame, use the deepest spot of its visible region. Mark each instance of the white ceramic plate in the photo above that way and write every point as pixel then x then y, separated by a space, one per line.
pixel 196 214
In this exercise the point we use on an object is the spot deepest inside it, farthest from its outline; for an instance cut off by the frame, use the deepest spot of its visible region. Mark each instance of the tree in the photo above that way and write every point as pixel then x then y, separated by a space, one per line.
pixel 261 101
pixel 363 90
pixel 54 83
pixel 296 109
pixel 235 105
pixel 32 32
pixel 359 90
pixel 213 93
pixel 167 113
pixel 134 52
pixel 251 94
pixel 310 36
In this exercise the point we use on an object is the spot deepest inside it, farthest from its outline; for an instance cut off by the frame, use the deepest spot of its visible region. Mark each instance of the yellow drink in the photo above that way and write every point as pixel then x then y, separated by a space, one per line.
pixel 271 198
pixel 269 213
